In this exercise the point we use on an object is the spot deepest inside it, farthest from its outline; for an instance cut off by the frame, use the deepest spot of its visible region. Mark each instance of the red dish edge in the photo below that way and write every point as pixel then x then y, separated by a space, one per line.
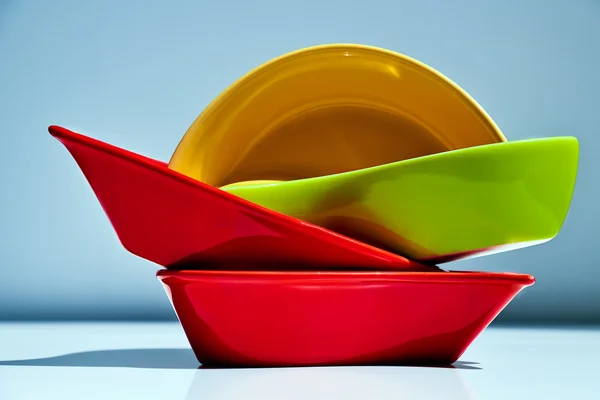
pixel 177 222
pixel 405 276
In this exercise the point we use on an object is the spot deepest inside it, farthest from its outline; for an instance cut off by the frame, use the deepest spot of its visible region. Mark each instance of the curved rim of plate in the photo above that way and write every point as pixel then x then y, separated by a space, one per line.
pixel 392 276
pixel 244 79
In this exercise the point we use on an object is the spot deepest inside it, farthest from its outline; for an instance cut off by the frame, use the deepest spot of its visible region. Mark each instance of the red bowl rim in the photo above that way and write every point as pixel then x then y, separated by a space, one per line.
pixel 390 276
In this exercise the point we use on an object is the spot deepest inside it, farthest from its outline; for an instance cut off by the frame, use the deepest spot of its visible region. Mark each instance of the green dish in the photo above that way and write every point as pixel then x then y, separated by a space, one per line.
pixel 440 207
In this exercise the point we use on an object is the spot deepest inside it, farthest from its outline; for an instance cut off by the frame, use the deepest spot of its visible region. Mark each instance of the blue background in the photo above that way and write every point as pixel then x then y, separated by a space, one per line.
pixel 137 73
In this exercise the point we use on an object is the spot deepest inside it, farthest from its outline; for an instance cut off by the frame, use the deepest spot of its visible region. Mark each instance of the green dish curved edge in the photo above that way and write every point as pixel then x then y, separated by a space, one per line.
pixel 440 207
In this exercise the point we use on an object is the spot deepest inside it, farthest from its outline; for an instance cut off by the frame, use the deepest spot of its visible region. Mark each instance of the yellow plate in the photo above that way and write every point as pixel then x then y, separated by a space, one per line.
pixel 329 109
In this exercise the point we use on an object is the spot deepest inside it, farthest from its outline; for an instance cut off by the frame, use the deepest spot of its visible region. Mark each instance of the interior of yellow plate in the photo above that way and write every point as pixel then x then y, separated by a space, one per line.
pixel 329 109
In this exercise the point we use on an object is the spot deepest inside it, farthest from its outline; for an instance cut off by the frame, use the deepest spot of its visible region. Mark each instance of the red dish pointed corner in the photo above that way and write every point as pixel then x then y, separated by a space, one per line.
pixel 180 223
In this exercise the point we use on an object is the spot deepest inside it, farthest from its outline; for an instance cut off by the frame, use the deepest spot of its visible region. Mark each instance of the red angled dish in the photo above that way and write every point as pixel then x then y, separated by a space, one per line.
pixel 178 222
pixel 270 319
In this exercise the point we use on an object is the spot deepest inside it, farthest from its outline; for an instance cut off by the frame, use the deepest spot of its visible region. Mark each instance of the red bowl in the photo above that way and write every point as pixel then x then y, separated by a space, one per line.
pixel 269 319
pixel 176 221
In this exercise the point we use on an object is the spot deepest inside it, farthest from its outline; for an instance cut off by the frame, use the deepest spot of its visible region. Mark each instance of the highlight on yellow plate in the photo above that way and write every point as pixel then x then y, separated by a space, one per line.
pixel 329 109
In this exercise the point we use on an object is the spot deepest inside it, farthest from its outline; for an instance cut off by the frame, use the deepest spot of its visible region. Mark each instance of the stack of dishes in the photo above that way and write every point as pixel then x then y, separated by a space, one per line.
pixel 304 216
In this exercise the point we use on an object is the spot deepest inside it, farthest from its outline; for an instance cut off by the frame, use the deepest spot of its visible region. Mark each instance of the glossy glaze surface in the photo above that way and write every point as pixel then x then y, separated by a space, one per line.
pixel 175 221
pixel 440 207
pixel 329 109
pixel 318 318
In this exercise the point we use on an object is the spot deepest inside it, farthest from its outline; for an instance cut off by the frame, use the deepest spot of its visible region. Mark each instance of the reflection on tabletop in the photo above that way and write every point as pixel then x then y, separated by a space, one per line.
pixel 412 383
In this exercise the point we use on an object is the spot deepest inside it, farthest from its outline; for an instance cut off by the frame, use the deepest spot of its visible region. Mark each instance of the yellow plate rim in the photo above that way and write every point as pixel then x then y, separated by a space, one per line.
pixel 262 68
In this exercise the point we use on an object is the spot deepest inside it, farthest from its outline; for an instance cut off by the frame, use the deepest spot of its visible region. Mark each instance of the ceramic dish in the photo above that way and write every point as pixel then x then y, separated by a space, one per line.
pixel 175 221
pixel 329 109
pixel 269 319
pixel 440 207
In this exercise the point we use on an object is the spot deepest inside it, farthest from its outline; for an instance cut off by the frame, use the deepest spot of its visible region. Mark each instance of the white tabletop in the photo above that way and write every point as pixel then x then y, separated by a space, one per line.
pixel 153 361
